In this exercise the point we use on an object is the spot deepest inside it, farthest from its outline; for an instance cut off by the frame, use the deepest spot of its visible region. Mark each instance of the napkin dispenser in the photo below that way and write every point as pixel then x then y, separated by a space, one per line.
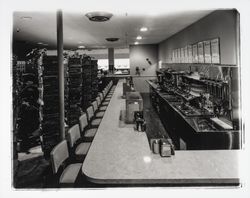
pixel 162 146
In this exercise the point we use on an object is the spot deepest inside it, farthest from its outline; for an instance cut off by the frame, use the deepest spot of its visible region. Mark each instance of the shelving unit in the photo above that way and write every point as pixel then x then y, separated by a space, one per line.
pixel 87 82
pixel 26 103
pixel 66 89
pixel 94 79
pixel 74 90
pixel 50 97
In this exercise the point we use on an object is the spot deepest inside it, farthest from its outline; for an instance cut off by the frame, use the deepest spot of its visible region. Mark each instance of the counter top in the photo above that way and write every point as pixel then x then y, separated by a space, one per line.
pixel 121 155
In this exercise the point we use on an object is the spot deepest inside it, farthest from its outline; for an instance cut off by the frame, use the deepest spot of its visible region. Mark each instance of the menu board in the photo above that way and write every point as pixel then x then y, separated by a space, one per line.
pixel 207 51
pixel 186 54
pixel 190 56
pixel 215 51
pixel 200 52
pixel 195 53
pixel 182 55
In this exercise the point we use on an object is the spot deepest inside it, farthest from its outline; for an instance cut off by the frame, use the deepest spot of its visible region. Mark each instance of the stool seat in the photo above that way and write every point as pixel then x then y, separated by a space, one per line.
pixel 105 103
pixel 90 132
pixel 96 121
pixel 100 114
pixel 82 149
pixel 69 174
pixel 103 108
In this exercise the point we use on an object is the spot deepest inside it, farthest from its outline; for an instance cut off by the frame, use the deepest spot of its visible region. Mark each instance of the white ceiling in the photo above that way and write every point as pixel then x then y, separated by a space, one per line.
pixel 38 27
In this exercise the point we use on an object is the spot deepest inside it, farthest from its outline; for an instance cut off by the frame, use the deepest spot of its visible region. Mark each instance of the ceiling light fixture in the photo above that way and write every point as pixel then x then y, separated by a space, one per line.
pixel 138 37
pixel 99 16
pixel 26 17
pixel 81 47
pixel 136 43
pixel 144 29
pixel 112 39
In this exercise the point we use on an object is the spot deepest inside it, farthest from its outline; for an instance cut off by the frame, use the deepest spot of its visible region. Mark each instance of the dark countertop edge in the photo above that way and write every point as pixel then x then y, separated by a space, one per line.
pixel 169 182
pixel 186 118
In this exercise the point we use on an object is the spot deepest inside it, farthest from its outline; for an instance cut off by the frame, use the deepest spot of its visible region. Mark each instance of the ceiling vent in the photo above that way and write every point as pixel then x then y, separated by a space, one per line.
pixel 112 39
pixel 99 16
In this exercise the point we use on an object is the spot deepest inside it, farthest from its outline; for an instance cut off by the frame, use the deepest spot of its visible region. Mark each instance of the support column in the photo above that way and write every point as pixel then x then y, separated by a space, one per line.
pixel 111 59
pixel 59 20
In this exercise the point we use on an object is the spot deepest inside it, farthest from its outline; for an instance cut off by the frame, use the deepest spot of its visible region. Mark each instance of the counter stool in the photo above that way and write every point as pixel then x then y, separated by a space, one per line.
pixel 65 177
pixel 105 103
pixel 100 95
pixel 85 131
pixel 78 148
pixel 103 99
pixel 98 113
pixel 101 108
pixel 94 122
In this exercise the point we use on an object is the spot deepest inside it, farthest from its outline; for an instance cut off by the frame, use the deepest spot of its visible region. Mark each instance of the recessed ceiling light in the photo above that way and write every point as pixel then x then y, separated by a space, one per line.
pixel 138 37
pixel 99 16
pixel 136 43
pixel 41 43
pixel 144 29
pixel 26 17
pixel 81 47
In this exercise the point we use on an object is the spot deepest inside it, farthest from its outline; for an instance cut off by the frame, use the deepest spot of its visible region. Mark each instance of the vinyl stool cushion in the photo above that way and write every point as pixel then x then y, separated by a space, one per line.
pixel 100 114
pixel 90 132
pixel 105 103
pixel 103 108
pixel 69 175
pixel 96 121
pixel 82 149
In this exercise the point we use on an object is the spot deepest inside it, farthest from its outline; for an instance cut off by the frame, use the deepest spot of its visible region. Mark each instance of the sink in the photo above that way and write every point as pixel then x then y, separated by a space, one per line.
pixel 205 125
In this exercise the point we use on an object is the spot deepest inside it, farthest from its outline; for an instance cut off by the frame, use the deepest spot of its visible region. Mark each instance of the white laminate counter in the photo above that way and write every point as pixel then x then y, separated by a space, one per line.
pixel 120 155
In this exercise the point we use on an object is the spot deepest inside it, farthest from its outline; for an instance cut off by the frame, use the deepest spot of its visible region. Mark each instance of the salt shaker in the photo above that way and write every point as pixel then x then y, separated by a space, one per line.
pixel 156 146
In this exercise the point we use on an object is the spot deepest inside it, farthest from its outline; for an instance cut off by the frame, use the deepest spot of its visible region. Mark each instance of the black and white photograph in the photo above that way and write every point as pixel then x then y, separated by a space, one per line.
pixel 120 96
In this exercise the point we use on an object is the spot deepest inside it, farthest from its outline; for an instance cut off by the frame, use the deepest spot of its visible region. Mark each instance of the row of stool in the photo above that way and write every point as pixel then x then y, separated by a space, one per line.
pixel 67 156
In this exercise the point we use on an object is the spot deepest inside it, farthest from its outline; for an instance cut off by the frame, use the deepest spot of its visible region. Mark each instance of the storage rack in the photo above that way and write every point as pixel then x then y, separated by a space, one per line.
pixel 74 90
pixel 15 105
pixel 50 97
pixel 90 81
pixel 66 89
pixel 87 82
pixel 94 79
pixel 15 91
pixel 26 111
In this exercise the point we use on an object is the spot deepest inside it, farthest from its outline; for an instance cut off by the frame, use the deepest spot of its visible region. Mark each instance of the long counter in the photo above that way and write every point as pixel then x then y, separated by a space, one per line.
pixel 121 155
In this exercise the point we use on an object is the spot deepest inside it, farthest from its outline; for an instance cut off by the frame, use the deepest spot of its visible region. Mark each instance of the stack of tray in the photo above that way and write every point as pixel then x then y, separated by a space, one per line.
pixel 50 97
pixel 74 90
